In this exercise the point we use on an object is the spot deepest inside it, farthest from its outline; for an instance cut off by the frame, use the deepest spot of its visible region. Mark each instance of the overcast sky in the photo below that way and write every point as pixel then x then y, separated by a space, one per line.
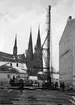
pixel 16 17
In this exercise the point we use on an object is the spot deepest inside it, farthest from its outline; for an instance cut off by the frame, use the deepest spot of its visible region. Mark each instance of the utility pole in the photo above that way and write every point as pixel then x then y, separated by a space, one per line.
pixel 48 46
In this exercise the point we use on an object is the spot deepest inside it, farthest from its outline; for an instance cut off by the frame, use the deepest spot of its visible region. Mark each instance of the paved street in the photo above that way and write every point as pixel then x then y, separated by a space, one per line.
pixel 35 97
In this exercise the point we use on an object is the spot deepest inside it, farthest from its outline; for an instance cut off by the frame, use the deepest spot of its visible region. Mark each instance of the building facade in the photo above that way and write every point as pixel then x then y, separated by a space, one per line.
pixel 67 53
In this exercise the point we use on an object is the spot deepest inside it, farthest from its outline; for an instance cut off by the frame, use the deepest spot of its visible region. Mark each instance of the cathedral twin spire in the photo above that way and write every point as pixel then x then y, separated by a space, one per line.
pixel 30 45
pixel 38 43
pixel 34 60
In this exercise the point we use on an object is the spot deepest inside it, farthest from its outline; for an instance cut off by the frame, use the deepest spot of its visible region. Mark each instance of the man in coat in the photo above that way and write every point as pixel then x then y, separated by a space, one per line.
pixel 21 85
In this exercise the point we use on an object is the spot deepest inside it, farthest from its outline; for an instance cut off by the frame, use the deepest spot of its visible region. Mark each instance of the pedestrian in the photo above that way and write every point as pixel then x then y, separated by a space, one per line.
pixel 56 85
pixel 63 86
pixel 60 86
pixel 21 85
pixel 13 78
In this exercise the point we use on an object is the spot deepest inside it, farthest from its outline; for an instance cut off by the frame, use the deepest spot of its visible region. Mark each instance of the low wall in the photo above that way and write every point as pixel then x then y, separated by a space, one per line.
pixel 4 80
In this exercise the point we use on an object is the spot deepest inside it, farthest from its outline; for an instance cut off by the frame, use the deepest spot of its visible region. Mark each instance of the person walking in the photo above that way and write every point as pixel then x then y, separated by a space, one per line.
pixel 63 86
pixel 21 85
pixel 56 85
pixel 13 78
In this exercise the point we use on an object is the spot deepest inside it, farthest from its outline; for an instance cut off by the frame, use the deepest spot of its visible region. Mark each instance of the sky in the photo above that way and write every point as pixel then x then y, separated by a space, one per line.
pixel 17 16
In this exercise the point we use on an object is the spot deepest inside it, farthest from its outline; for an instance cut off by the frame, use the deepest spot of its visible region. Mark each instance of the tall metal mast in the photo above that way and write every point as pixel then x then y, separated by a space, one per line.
pixel 48 46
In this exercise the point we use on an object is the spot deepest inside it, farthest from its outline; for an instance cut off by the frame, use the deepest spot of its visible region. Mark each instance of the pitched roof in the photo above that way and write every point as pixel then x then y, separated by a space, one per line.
pixel 9 57
pixel 6 54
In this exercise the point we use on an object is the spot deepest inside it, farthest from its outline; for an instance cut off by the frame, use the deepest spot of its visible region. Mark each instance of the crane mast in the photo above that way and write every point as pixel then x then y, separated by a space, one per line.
pixel 48 47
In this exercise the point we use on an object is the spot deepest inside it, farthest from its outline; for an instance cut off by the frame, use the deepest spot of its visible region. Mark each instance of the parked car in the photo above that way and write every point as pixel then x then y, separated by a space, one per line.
pixel 35 83
pixel 28 83
pixel 14 83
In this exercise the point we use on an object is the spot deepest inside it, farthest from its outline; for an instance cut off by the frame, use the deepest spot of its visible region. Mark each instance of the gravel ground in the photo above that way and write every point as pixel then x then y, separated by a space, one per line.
pixel 35 97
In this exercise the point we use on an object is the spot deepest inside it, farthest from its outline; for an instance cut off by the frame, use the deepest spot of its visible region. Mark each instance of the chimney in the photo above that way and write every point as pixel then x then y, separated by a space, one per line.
pixel 70 17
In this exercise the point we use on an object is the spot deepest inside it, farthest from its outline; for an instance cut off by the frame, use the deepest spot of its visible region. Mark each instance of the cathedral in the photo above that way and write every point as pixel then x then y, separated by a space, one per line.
pixel 34 60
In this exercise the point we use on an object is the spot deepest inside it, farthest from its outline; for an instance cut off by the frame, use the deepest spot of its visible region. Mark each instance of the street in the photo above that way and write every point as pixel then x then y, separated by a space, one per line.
pixel 35 97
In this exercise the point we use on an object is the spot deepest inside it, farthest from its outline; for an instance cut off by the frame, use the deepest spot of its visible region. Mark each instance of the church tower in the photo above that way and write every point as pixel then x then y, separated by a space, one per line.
pixel 15 48
pixel 38 44
pixel 29 55
pixel 30 47
pixel 38 62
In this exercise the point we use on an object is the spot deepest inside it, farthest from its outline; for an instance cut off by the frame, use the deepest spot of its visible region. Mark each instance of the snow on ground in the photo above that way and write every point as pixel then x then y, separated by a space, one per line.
pixel 21 67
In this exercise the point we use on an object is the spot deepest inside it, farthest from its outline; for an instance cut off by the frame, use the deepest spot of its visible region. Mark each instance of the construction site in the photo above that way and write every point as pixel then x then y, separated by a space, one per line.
pixel 35 71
